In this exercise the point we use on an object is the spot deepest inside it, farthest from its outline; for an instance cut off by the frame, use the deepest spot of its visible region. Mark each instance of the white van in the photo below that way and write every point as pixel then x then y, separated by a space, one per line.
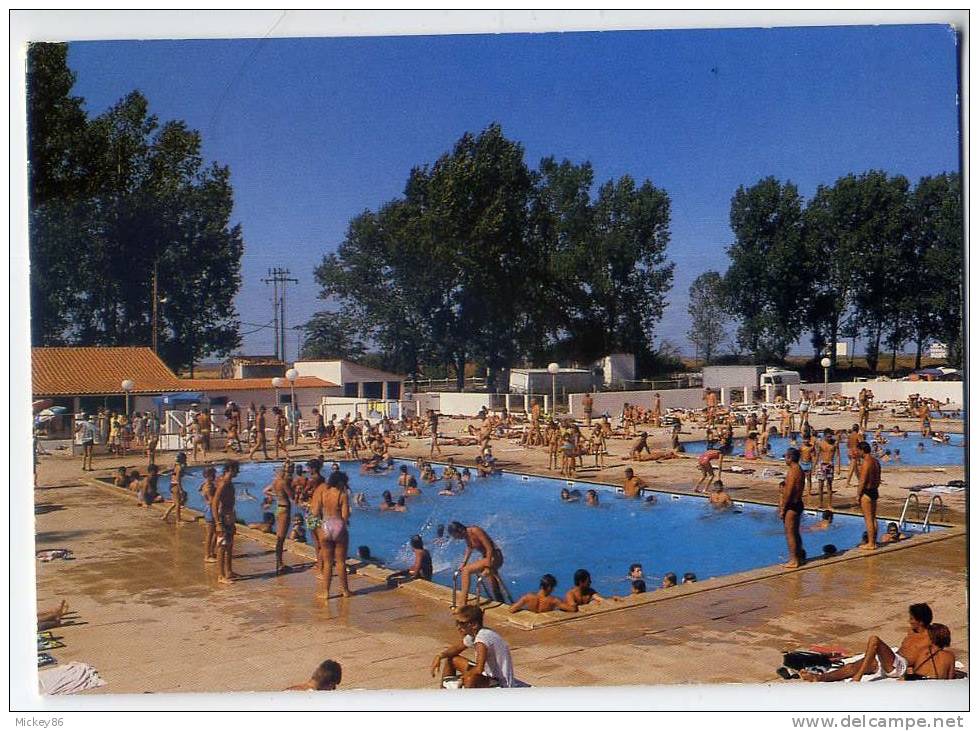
pixel 776 377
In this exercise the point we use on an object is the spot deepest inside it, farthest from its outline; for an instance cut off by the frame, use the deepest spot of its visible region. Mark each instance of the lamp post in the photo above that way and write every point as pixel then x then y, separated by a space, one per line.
pixel 825 363
pixel 553 369
pixel 291 375
pixel 127 386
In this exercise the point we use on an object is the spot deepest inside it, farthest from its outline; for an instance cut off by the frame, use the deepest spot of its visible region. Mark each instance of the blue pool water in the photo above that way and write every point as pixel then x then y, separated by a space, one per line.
pixel 931 454
pixel 539 534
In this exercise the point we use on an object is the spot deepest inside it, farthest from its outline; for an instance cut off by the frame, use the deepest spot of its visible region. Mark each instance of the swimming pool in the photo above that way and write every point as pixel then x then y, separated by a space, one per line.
pixel 539 534
pixel 931 454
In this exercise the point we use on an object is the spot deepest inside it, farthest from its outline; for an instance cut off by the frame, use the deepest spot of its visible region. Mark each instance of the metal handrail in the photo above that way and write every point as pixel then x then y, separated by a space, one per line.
pixel 917 508
pixel 931 504
pixel 480 584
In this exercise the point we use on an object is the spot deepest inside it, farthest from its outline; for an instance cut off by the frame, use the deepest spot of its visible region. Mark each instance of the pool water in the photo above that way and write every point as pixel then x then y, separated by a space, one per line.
pixel 539 534
pixel 931 454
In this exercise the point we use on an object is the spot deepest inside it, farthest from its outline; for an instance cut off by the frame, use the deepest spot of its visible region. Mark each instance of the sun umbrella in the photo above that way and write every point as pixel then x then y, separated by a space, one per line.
pixel 41 404
pixel 52 412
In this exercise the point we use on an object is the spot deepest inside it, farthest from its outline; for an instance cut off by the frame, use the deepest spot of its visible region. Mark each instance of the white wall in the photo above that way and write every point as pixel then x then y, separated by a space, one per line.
pixel 328 370
pixel 613 401
pixel 900 390
pixel 462 404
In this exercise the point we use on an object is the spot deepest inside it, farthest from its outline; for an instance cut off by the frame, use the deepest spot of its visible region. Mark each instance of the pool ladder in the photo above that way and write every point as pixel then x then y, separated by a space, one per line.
pixel 926 525
pixel 480 585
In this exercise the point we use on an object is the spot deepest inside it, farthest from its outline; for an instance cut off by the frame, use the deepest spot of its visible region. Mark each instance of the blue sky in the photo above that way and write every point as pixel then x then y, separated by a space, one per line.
pixel 317 130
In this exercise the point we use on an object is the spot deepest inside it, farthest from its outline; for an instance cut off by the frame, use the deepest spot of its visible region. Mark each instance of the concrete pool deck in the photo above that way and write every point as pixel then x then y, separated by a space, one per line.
pixel 151 616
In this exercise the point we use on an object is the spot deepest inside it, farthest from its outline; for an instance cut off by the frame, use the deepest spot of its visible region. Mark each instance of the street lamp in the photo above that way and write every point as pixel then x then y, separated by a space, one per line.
pixel 127 386
pixel 825 363
pixel 553 369
pixel 291 375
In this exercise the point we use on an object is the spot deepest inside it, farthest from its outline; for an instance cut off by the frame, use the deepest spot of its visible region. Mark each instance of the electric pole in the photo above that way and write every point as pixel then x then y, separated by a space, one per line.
pixel 278 278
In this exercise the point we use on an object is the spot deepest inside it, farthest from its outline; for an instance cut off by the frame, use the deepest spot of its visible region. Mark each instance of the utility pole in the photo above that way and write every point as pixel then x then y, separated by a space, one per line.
pixel 277 277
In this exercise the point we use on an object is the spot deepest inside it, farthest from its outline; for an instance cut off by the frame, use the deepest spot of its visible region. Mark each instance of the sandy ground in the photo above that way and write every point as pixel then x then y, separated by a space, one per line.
pixel 151 616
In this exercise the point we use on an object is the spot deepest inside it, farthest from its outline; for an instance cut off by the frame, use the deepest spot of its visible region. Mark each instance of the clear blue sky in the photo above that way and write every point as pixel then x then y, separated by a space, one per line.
pixel 317 130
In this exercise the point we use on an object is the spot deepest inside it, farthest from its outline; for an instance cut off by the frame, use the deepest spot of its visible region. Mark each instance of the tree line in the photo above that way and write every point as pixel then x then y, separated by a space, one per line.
pixel 869 257
pixel 485 260
pixel 112 198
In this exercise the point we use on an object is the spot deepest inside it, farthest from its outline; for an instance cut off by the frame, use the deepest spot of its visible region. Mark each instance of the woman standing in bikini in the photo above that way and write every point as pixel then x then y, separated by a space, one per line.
pixel 330 507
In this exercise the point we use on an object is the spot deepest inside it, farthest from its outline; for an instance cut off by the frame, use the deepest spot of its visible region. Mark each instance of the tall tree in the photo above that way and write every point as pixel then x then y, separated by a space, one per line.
pixel 769 266
pixel 114 199
pixel 708 319
pixel 936 296
pixel 56 175
pixel 331 335
pixel 629 274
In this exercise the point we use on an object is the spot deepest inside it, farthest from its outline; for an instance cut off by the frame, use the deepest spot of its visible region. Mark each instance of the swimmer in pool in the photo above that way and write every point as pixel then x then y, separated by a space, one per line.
pixel 718 498
pixel 582 592
pixel 690 578
pixel 824 524
pixel 387 502
pixel 421 568
pixel 543 601
pixel 411 488
pixel 669 581
pixel 920 447
pixel 591 498
pixel 360 501
pixel 897 455
pixel 893 534
pixel 635 571
pixel 570 496
pixel 633 486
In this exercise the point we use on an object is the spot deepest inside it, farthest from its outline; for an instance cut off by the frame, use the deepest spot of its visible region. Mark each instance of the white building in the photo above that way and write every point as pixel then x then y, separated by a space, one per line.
pixel 354 380
pixel 538 380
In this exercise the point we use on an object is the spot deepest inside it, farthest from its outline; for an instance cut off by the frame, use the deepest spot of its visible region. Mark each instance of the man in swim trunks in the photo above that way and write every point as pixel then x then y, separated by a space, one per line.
pixel 223 507
pixel 477 539
pixel 633 485
pixel 204 429
pixel 879 660
pixel 853 453
pixel 790 507
pixel 806 453
pixel 433 427
pixel 868 492
pixel 582 593
pixel 543 601
pixel 260 441
pixel 706 468
pixel 587 405
pixel 828 452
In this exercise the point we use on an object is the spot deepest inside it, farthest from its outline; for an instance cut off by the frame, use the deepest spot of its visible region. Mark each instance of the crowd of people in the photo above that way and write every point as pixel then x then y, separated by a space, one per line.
pixel 304 504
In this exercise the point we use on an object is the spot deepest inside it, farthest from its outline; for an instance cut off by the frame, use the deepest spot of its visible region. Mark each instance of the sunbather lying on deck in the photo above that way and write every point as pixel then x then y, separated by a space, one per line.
pixel 880 661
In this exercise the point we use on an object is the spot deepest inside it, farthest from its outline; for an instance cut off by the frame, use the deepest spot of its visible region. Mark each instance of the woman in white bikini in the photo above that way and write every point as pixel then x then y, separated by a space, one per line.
pixel 330 512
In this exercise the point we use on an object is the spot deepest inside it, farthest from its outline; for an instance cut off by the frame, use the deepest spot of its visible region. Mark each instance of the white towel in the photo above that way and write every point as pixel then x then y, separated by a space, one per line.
pixel 71 678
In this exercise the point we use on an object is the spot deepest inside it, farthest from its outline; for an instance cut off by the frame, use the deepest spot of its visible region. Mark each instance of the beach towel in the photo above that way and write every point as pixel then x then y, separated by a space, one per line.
pixel 62 553
pixel 74 677
pixel 942 489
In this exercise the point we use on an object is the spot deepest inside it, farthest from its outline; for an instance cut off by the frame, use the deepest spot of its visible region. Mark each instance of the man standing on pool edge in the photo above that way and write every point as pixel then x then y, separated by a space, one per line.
pixel 790 507
pixel 868 493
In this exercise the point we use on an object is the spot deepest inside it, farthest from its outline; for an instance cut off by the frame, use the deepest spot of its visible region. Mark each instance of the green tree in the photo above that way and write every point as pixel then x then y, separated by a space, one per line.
pixel 766 279
pixel 114 199
pixel 708 319
pixel 935 296
pixel 56 175
pixel 629 274
pixel 332 335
